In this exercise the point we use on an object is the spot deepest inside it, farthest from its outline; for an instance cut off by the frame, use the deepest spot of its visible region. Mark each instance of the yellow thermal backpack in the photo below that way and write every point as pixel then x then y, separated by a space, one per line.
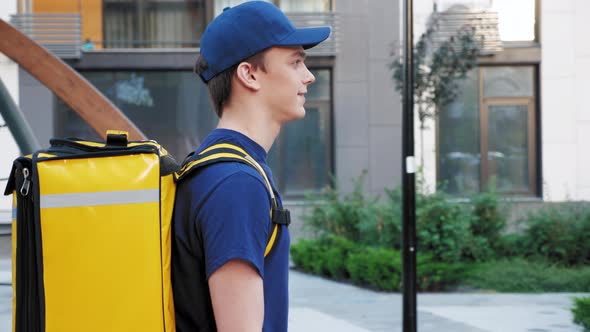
pixel 91 234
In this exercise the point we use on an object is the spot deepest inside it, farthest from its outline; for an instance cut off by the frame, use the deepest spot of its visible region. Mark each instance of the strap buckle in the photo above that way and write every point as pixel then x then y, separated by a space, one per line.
pixel 281 216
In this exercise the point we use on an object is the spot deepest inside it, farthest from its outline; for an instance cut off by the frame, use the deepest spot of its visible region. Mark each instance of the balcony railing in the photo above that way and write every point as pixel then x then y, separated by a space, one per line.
pixel 304 20
pixel 484 22
pixel 118 41
pixel 59 33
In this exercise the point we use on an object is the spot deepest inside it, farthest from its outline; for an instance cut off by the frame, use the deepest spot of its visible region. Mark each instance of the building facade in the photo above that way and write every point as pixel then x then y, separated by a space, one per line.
pixel 520 120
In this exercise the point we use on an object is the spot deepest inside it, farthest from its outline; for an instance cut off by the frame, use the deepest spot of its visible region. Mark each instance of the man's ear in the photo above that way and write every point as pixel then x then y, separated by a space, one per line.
pixel 247 75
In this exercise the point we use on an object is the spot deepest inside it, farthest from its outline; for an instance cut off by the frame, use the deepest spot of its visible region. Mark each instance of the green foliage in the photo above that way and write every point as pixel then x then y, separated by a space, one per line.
pixel 307 256
pixel 373 267
pixel 341 216
pixel 520 275
pixel 581 311
pixel 379 268
pixel 325 256
pixel 450 230
pixel 438 276
pixel 356 217
pixel 511 245
pixel 442 227
pixel 384 227
pixel 560 233
pixel 437 73
pixel 488 220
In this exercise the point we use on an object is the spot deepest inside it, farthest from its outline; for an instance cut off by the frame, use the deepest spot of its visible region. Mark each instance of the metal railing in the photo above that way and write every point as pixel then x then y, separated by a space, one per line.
pixel 304 20
pixel 59 33
pixel 484 22
pixel 301 20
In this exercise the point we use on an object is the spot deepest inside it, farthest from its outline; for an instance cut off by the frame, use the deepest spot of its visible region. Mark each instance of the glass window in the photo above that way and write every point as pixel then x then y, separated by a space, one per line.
pixel 508 147
pixel 459 148
pixel 301 157
pixel 305 6
pixel 220 4
pixel 153 23
pixel 508 81
pixel 171 107
pixel 516 19
pixel 288 6
pixel 498 123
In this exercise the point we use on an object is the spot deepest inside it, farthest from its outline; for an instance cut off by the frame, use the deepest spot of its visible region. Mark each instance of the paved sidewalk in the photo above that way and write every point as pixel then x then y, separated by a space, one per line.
pixel 359 310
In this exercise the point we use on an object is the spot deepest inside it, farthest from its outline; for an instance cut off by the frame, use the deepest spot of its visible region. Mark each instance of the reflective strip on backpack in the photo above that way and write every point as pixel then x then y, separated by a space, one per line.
pixel 100 198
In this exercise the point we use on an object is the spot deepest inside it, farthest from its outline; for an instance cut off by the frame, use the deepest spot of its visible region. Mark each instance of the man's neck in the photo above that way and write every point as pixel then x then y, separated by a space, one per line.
pixel 251 123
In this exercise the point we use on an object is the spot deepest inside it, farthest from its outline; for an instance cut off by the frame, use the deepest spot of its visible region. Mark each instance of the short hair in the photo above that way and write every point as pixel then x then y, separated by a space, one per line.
pixel 220 85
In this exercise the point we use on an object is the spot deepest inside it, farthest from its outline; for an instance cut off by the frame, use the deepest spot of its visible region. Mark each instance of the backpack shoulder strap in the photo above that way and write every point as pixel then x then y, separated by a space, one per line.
pixel 224 152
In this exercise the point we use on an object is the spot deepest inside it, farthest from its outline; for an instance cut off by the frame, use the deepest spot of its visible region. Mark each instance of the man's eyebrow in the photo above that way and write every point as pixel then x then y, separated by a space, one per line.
pixel 300 54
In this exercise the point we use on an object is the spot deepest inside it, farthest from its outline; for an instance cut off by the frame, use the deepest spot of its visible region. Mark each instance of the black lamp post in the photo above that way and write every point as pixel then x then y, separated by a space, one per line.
pixel 408 176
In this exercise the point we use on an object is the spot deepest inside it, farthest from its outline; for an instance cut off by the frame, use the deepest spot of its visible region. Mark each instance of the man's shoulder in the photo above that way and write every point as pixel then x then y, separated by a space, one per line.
pixel 220 176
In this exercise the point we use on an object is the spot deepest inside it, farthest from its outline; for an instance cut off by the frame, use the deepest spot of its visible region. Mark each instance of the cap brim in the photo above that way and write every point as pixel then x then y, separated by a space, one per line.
pixel 306 37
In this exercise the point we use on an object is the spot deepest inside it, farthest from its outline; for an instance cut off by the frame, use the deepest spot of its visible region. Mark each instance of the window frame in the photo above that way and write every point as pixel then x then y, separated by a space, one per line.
pixel 533 137
pixel 138 29
pixel 485 174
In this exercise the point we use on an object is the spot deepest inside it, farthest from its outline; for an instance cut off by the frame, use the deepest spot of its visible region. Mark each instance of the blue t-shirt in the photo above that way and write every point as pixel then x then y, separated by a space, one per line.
pixel 222 213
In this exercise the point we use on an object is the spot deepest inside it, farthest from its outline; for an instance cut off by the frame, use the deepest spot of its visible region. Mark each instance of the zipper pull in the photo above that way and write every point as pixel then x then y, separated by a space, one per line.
pixel 24 190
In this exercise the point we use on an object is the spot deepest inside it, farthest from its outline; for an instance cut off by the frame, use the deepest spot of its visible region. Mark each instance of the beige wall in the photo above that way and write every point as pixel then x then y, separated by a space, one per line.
pixel 367 110
pixel 565 82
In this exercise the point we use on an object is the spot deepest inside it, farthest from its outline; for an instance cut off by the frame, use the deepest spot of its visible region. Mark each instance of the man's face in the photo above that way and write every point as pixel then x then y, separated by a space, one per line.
pixel 284 84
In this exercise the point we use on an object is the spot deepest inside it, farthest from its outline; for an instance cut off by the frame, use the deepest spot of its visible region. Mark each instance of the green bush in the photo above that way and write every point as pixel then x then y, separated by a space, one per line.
pixel 306 256
pixel 383 229
pixel 488 220
pixel 520 275
pixel 325 256
pixel 373 267
pixel 355 217
pixel 377 268
pixel 581 312
pixel 511 245
pixel 442 227
pixel 332 213
pixel 438 276
pixel 560 233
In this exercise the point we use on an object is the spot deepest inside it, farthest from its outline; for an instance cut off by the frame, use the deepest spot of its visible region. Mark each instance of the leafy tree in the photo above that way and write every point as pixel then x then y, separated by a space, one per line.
pixel 438 69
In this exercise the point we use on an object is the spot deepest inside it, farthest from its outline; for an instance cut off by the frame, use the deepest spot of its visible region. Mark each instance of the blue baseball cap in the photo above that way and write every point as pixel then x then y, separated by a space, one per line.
pixel 242 31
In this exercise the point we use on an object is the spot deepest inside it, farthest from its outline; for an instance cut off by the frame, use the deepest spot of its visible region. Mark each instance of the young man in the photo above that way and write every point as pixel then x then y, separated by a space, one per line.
pixel 252 59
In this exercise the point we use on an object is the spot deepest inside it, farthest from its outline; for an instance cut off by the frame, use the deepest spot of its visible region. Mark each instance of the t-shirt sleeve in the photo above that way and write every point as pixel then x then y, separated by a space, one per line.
pixel 235 222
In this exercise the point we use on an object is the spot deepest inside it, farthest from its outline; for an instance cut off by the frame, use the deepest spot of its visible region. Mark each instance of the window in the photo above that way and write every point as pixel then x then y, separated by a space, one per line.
pixel 301 157
pixel 288 6
pixel 516 19
pixel 489 133
pixel 153 23
pixel 173 107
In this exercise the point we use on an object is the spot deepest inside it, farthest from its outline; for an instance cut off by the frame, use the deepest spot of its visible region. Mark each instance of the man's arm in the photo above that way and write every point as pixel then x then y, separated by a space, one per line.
pixel 237 295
